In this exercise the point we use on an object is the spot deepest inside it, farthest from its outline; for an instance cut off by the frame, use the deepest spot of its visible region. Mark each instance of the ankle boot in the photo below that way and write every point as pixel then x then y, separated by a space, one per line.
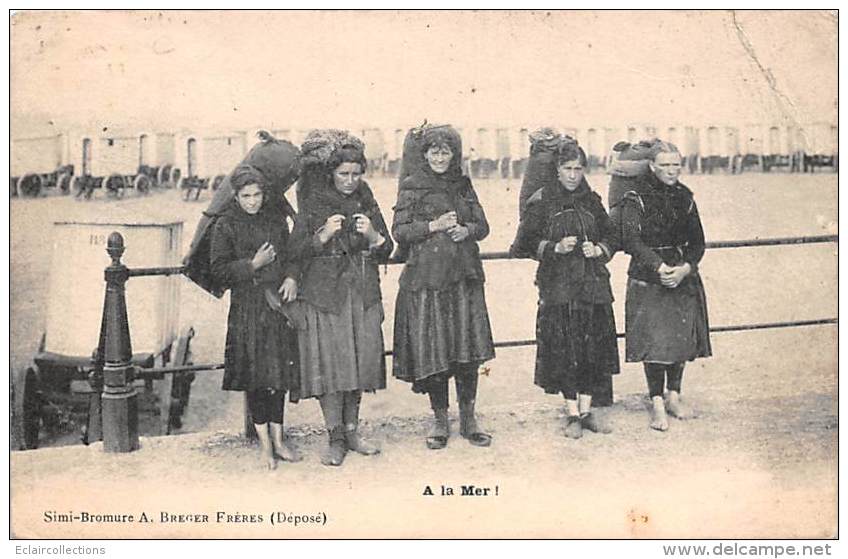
pixel 356 443
pixel 468 427
pixel 440 432
pixel 335 454
pixel 466 389
pixel 350 413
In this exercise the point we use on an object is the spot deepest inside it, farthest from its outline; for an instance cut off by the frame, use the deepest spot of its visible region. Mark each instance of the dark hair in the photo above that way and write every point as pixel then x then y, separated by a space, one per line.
pixel 245 175
pixel 347 154
pixel 569 151
pixel 438 137
pixel 444 135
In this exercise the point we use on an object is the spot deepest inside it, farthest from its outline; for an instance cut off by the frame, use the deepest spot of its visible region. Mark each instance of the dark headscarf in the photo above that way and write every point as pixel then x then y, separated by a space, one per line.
pixel 277 162
pixel 318 150
pixel 320 197
pixel 443 135
pixel 246 174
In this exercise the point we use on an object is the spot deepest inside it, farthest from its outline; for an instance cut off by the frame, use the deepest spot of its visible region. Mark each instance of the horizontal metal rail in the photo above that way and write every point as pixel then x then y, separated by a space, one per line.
pixel 159 372
pixel 504 255
pixel 774 241
pixel 161 271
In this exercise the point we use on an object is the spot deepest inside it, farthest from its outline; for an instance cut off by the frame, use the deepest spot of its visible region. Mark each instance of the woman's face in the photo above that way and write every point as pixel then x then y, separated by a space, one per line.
pixel 570 174
pixel 346 177
pixel 250 198
pixel 439 158
pixel 666 167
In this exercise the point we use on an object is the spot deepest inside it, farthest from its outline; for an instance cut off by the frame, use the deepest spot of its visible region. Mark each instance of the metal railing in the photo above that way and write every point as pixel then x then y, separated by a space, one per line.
pixel 118 373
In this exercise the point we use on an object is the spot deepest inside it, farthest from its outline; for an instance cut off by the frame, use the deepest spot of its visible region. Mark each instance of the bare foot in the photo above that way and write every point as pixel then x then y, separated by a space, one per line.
pixel 286 452
pixel 676 408
pixel 269 462
pixel 659 420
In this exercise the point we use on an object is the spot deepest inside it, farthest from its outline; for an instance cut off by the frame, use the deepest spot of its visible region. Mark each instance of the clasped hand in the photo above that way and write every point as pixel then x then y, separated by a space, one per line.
pixel 444 222
pixel 568 244
pixel 449 223
pixel 672 276
pixel 361 224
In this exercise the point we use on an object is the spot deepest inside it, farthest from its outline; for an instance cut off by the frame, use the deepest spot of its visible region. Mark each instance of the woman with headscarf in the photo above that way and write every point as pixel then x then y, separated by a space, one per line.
pixel 249 256
pixel 278 161
pixel 441 321
pixel 666 308
pixel 339 239
pixel 566 228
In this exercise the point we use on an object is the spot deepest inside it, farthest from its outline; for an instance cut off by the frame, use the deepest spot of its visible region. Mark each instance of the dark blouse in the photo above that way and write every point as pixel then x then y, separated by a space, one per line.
pixel 236 238
pixel 435 261
pixel 660 223
pixel 344 261
pixel 554 213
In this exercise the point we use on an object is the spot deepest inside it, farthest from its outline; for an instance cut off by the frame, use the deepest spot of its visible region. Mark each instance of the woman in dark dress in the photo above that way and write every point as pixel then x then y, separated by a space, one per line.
pixel 441 321
pixel 566 228
pixel 248 256
pixel 666 308
pixel 339 239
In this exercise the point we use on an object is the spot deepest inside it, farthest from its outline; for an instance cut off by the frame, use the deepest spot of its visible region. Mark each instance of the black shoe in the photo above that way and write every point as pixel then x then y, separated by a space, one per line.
pixel 468 427
pixel 589 421
pixel 573 427
pixel 335 454
pixel 440 432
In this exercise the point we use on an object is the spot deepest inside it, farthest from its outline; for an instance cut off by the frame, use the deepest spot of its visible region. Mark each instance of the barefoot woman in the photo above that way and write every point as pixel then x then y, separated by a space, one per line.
pixel 666 309
pixel 248 256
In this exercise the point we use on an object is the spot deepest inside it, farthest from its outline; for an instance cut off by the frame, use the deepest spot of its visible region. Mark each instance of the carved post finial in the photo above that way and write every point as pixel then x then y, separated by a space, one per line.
pixel 115 247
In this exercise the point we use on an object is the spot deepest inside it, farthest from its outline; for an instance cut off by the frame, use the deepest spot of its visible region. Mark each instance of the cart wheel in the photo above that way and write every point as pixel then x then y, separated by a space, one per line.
pixel 142 184
pixel 163 175
pixel 175 176
pixel 30 185
pixel 28 401
pixel 115 185
pixel 65 182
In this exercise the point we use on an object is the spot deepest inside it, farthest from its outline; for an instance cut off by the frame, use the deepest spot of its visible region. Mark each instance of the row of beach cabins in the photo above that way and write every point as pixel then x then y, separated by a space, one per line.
pixel 120 160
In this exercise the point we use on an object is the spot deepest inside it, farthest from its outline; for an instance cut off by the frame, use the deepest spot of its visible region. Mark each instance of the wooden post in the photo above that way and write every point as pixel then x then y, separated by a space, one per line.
pixel 249 427
pixel 119 407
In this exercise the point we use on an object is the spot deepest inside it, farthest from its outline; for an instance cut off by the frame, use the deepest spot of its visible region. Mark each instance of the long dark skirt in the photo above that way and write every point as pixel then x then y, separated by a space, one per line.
pixel 436 330
pixel 342 352
pixel 666 325
pixel 261 350
pixel 576 346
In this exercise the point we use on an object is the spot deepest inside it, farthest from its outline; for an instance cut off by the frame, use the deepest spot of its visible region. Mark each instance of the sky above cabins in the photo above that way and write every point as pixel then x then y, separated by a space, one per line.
pixel 214 70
